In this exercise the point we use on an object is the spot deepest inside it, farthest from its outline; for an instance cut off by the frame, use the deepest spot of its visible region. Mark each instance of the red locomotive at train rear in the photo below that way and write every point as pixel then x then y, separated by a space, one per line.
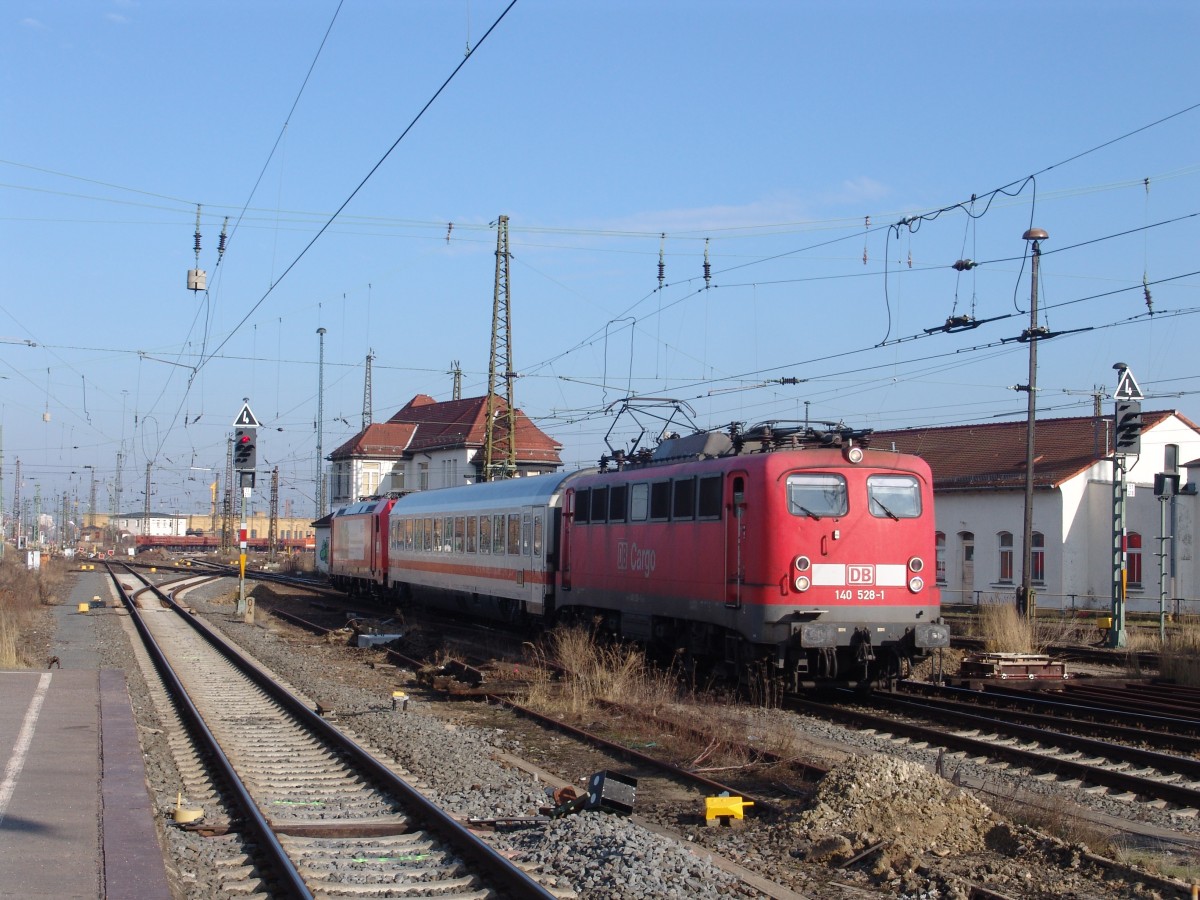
pixel 812 560
pixel 358 561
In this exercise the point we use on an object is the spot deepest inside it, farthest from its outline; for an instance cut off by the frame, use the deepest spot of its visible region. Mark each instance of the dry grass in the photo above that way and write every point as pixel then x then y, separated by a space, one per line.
pixel 595 672
pixel 1057 821
pixel 1180 656
pixel 1171 865
pixel 22 595
pixel 1004 630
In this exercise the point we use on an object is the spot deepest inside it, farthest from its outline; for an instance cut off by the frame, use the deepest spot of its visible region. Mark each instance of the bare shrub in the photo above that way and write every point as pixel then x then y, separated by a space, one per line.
pixel 22 595
pixel 1005 630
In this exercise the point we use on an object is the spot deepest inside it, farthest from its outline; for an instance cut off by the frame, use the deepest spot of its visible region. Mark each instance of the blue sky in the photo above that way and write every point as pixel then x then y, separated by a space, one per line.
pixel 789 140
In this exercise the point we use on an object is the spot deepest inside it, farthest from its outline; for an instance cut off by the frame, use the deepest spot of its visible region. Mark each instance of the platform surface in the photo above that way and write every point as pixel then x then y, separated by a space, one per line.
pixel 75 814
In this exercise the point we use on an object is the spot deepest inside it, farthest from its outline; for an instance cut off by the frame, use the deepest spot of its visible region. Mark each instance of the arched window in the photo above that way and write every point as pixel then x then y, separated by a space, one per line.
pixel 940 552
pixel 1133 559
pixel 1037 561
pixel 1006 557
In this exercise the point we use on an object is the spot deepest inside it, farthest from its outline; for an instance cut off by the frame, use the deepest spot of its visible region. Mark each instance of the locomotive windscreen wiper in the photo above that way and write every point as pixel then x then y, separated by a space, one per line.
pixel 891 514
pixel 808 512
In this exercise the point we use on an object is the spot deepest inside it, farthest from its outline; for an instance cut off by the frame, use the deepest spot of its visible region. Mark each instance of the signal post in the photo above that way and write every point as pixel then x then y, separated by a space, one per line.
pixel 1127 442
pixel 245 458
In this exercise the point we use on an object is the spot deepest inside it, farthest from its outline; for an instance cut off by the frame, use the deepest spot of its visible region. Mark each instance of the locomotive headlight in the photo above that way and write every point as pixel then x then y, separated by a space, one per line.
pixel 916 564
pixel 803 563
pixel 854 454
pixel 916 584
pixel 802 583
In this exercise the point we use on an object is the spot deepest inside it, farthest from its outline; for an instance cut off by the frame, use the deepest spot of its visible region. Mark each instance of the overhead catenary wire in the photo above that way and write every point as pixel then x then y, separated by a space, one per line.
pixel 366 177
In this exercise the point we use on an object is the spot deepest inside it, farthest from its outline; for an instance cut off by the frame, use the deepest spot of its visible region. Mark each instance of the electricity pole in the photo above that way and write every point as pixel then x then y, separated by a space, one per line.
pixel 1026 601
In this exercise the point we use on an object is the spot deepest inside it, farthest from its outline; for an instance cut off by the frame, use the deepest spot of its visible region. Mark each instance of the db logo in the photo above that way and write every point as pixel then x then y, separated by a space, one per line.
pixel 860 574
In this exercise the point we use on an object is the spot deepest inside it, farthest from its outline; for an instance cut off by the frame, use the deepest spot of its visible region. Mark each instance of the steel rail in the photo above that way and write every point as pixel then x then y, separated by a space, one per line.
pixel 1026 706
pixel 291 883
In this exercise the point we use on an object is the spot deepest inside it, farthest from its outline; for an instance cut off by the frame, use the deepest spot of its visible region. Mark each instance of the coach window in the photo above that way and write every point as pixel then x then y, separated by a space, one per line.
pixel 639 502
pixel 408 534
pixel 660 501
pixel 683 498
pixel 617 495
pixel 583 506
pixel 816 495
pixel 472 526
pixel 599 504
pixel 537 536
pixel 514 534
pixel 460 531
pixel 526 534
pixel 437 535
pixel 894 496
pixel 485 534
pixel 498 534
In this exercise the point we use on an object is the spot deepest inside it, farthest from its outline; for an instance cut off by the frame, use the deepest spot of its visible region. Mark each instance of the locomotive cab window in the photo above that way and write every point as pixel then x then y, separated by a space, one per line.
pixel 816 495
pixel 583 506
pixel 894 496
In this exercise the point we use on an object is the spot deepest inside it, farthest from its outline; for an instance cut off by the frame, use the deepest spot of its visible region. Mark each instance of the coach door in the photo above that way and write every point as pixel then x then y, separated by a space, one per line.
pixel 564 547
pixel 735 538
pixel 533 555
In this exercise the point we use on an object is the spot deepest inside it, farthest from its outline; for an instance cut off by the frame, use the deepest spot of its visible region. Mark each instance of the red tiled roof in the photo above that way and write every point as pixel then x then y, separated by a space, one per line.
pixel 378 439
pixel 425 424
pixel 975 457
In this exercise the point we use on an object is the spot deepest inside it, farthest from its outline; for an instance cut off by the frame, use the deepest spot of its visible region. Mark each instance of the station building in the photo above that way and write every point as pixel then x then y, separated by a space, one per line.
pixel 979 485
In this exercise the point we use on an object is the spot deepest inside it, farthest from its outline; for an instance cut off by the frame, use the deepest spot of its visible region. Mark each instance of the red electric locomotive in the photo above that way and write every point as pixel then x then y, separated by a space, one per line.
pixel 790 550
pixel 810 559
pixel 358 561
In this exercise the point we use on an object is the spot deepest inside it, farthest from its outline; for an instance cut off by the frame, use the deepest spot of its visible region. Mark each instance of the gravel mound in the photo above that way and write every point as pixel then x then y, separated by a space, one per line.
pixel 870 799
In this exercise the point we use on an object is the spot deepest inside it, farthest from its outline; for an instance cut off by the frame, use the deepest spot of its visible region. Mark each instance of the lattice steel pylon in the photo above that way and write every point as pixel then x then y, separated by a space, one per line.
pixel 273 528
pixel 366 412
pixel 500 364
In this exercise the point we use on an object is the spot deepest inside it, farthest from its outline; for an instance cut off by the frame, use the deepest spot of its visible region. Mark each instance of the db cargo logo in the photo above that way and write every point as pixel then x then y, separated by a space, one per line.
pixel 860 574
pixel 632 558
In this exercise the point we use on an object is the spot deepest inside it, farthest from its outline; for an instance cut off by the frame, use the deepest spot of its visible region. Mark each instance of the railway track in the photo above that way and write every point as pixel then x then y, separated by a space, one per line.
pixel 1129 714
pixel 1123 772
pixel 325 816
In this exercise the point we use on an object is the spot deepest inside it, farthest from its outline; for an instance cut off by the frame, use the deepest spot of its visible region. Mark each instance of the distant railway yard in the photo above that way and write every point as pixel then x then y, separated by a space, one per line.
pixel 557 767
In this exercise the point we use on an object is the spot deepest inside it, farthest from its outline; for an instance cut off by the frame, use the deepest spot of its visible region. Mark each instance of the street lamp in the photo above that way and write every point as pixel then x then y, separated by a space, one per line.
pixel 1025 598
